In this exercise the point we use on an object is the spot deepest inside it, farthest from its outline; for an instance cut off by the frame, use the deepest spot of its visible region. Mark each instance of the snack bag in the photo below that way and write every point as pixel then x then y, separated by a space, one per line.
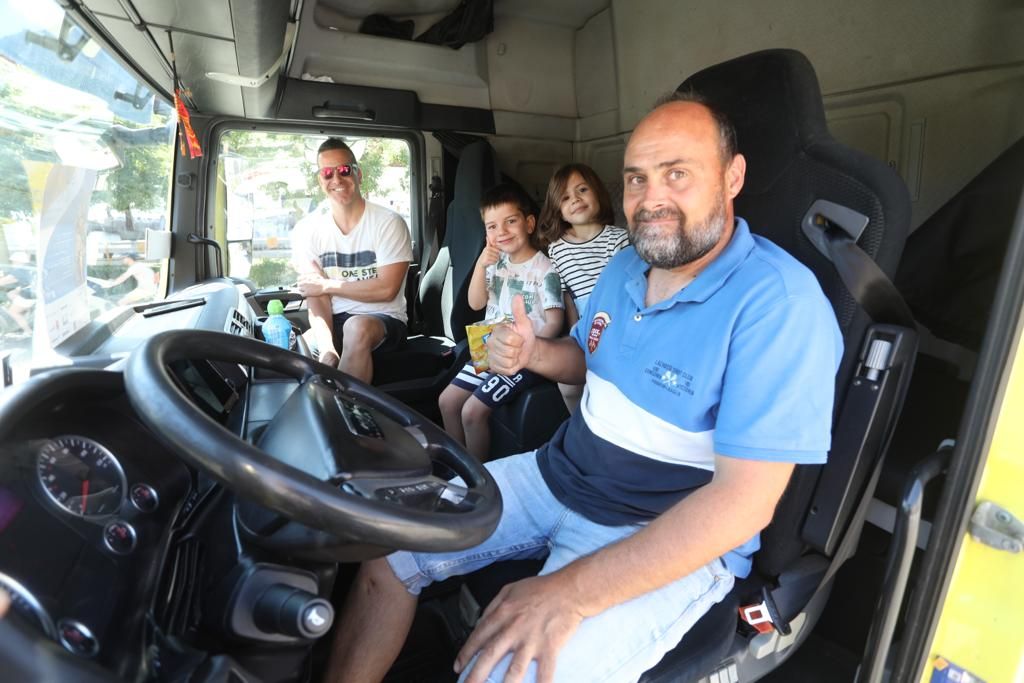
pixel 477 335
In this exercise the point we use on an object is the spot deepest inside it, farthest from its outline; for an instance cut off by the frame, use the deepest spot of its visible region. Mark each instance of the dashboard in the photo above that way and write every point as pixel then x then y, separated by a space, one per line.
pixel 101 545
pixel 215 557
pixel 89 502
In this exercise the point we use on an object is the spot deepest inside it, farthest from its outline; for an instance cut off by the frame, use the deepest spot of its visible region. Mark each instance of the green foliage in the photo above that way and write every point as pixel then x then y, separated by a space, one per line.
pixel 374 155
pixel 141 180
pixel 399 154
pixel 270 272
pixel 14 191
pixel 378 154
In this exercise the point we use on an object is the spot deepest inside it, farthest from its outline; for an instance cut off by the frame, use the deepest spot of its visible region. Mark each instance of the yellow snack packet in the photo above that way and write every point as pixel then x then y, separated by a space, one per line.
pixel 477 335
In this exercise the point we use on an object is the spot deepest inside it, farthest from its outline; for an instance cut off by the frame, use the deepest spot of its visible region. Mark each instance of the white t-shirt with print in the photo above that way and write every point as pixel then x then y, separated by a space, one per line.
pixel 536 279
pixel 380 238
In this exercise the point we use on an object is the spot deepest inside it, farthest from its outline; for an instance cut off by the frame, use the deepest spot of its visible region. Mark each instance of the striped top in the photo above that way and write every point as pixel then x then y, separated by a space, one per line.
pixel 579 264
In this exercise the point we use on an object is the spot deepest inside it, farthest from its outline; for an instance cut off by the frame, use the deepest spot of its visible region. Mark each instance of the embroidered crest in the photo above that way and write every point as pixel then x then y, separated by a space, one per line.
pixel 597 328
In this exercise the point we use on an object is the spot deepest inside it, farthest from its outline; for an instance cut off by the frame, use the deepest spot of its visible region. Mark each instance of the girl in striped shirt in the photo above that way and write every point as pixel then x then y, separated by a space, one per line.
pixel 575 225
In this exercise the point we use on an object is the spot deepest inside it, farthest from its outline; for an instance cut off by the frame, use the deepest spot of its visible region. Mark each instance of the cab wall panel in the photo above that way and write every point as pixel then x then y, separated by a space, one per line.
pixel 530 68
pixel 851 44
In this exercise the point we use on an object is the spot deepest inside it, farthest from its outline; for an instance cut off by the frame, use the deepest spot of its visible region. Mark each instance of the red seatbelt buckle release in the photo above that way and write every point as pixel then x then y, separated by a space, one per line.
pixel 758 617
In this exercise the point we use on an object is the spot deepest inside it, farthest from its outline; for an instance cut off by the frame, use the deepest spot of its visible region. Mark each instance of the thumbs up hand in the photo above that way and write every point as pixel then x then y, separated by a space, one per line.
pixel 510 345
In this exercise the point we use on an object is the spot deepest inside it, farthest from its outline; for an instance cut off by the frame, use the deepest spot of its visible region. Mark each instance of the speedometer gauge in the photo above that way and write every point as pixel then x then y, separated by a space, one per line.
pixel 81 476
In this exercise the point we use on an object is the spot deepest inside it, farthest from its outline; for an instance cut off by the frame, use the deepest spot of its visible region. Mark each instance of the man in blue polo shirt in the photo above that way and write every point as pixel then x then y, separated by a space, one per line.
pixel 709 356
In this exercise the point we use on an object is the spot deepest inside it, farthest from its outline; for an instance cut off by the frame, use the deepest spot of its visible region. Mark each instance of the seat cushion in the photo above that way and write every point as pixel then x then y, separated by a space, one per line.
pixel 421 356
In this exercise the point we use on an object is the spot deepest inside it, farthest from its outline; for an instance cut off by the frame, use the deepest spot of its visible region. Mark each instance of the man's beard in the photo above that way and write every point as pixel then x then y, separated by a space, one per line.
pixel 687 243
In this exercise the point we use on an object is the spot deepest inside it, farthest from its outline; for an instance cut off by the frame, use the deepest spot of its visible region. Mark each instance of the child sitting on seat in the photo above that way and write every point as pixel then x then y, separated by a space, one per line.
pixel 575 225
pixel 509 265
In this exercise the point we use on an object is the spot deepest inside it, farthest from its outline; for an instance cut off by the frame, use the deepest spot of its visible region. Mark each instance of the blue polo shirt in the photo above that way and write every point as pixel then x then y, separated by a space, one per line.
pixel 739 363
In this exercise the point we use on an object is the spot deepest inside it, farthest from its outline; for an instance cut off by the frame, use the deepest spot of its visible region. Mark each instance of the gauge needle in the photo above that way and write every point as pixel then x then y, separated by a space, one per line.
pixel 85 494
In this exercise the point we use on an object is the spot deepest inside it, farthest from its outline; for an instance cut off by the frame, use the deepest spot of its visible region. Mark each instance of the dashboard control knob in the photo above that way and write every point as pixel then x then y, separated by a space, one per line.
pixel 143 497
pixel 291 611
pixel 77 638
pixel 119 537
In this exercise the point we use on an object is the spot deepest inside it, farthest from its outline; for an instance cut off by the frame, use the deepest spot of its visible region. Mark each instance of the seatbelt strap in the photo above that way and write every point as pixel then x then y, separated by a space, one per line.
pixel 866 282
pixel 768 614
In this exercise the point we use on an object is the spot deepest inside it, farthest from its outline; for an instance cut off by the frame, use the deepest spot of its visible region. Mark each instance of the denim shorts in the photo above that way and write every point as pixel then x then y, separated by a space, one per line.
pixel 617 645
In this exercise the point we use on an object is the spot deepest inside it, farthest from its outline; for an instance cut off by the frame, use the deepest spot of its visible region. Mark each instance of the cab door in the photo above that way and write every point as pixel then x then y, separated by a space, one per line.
pixel 979 635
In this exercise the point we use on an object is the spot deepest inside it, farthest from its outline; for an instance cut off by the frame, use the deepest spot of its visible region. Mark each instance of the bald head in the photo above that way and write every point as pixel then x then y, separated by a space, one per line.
pixel 678 187
pixel 726 130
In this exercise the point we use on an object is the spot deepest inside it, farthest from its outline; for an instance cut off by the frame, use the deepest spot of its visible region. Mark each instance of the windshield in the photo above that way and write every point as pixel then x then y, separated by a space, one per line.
pixel 86 152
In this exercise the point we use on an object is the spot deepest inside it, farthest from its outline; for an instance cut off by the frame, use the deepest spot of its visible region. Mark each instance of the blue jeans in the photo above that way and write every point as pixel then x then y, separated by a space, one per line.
pixel 617 645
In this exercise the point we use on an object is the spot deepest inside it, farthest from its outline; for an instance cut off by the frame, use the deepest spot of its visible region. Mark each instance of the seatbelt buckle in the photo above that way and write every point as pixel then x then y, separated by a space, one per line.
pixel 764 616
pixel 757 617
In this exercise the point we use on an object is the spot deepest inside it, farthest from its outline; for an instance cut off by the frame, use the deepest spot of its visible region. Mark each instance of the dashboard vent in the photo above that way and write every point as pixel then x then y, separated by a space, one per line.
pixel 238 324
pixel 179 606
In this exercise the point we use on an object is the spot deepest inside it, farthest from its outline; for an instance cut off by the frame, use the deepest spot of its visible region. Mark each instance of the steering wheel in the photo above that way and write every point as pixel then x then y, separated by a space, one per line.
pixel 339 456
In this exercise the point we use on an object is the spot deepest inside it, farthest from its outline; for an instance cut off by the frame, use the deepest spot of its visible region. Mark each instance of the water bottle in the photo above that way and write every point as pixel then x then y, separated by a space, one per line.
pixel 276 328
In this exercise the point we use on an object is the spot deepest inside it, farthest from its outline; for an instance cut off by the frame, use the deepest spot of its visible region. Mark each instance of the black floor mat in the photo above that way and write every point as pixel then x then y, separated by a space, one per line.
pixel 817 661
pixel 430 649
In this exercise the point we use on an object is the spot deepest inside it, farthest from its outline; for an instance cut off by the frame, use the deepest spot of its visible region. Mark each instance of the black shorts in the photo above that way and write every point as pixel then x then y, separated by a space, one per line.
pixel 493 389
pixel 395 332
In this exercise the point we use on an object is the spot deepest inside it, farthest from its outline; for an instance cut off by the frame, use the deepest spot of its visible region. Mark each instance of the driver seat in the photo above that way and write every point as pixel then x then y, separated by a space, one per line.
pixel 804 191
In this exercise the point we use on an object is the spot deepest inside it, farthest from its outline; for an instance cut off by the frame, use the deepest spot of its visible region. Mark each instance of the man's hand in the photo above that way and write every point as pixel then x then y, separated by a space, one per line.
pixel 532 619
pixel 311 284
pixel 315 283
pixel 511 344
pixel 329 357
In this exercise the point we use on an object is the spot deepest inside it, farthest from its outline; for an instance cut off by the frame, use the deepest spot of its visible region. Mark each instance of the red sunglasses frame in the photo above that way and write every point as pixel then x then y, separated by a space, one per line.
pixel 343 170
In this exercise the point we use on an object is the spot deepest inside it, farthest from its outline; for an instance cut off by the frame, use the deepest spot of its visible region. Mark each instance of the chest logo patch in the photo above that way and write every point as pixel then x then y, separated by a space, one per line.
pixel 670 378
pixel 597 327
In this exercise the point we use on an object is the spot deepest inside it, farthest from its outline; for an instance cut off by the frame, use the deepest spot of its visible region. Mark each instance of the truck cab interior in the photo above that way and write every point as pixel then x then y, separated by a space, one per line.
pixel 180 501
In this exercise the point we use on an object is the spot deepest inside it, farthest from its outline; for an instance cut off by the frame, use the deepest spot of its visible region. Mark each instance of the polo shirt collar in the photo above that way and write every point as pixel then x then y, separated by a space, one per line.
pixel 709 281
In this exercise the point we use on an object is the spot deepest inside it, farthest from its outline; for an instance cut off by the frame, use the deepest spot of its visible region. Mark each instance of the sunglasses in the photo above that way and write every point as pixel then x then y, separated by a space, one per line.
pixel 345 170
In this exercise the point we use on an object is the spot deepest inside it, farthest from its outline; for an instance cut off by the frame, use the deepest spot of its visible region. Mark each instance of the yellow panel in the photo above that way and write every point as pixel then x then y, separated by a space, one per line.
pixel 980 627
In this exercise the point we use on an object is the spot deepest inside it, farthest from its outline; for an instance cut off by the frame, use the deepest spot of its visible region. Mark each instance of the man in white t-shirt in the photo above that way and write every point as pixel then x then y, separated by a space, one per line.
pixel 352 257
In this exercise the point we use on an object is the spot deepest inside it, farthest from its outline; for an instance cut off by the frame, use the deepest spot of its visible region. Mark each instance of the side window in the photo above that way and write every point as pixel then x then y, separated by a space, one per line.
pixel 267 183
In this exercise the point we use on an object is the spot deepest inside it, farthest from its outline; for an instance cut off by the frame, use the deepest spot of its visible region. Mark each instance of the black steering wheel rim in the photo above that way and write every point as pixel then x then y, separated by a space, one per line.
pixel 260 478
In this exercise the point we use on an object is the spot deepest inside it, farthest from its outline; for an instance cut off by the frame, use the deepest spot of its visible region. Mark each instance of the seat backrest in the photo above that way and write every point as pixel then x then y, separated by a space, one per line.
pixel 444 288
pixel 773 99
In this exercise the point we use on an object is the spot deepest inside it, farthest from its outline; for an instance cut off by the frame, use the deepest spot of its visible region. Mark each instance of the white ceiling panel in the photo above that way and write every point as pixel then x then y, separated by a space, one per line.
pixel 138 48
pixel 108 7
pixel 209 17
pixel 195 56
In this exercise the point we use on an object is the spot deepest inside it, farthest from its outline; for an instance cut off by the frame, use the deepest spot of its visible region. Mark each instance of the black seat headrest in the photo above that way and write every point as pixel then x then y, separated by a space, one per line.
pixel 773 99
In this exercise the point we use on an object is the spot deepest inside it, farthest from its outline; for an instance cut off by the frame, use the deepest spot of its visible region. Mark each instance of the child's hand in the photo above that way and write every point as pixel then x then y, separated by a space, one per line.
pixel 510 345
pixel 489 256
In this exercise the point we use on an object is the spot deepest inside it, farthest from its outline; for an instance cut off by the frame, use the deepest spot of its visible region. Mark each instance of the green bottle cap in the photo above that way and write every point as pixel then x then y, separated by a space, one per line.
pixel 275 307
